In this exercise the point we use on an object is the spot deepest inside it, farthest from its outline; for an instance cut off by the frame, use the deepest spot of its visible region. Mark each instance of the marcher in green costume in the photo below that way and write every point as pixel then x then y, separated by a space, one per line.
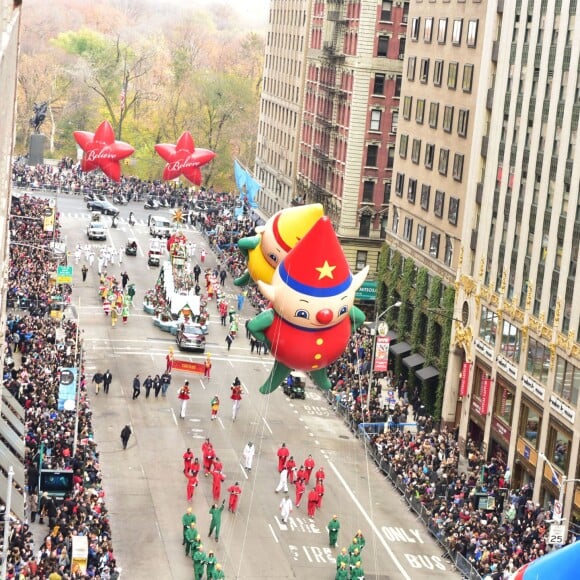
pixel 210 562
pixel 190 535
pixel 357 572
pixel 343 557
pixel 361 542
pixel 342 573
pixel 199 562
pixel 333 527
pixel 186 520
pixel 354 558
pixel 216 519
pixel 218 573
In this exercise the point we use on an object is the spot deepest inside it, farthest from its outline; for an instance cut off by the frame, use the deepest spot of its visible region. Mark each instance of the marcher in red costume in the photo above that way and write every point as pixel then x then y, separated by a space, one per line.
pixel 283 454
pixel 187 459
pixel 312 502
pixel 300 489
pixel 235 492
pixel 208 455
pixel 291 467
pixel 309 467
pixel 218 477
pixel 191 485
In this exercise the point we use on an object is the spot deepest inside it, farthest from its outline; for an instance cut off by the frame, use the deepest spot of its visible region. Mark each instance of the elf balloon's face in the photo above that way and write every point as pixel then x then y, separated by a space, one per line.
pixel 308 311
pixel 271 249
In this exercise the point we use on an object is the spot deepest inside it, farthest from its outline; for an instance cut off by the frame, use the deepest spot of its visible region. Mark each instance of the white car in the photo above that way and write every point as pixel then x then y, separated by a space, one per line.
pixel 97 231
pixel 161 227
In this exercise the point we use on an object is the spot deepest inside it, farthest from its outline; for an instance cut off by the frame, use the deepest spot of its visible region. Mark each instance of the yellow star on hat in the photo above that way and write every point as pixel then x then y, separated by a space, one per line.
pixel 326 270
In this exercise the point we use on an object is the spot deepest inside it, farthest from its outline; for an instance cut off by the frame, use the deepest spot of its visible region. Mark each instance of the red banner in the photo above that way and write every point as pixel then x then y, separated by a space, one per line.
pixel 464 385
pixel 382 354
pixel 188 367
pixel 485 391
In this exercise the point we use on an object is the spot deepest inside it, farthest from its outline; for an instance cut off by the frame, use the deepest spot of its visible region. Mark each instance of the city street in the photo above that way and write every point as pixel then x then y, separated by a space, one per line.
pixel 145 486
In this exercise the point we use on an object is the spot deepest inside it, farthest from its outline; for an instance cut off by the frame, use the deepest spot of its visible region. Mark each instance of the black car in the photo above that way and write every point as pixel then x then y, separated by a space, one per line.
pixel 294 385
pixel 105 207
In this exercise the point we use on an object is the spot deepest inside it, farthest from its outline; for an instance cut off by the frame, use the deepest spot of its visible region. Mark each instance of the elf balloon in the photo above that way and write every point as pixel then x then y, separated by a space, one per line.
pixel 313 313
pixel 275 239
pixel 102 151
pixel 183 158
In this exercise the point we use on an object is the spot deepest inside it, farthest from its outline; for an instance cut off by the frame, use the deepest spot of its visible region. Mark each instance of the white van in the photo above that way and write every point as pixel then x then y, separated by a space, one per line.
pixel 161 227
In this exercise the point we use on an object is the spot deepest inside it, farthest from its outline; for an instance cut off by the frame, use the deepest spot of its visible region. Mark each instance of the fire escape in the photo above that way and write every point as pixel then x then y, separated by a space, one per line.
pixel 332 57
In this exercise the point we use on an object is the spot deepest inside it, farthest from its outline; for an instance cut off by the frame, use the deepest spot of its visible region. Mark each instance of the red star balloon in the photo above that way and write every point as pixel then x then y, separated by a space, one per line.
pixel 184 159
pixel 102 151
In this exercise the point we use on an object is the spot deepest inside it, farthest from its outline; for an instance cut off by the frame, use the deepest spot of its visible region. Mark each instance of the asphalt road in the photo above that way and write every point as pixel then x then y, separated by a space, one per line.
pixel 145 487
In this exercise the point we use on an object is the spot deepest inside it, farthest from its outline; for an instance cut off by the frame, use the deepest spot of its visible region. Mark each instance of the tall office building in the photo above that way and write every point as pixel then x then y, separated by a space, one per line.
pixel 486 196
pixel 329 114
pixel 282 96
pixel 12 413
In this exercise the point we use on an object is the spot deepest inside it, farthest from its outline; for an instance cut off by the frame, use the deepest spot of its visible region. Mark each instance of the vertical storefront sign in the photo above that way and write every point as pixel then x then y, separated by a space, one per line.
pixel 464 385
pixel 382 354
pixel 485 392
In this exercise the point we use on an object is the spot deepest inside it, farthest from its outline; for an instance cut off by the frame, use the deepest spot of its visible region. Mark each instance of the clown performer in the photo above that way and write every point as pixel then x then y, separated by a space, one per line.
pixel 275 239
pixel 312 294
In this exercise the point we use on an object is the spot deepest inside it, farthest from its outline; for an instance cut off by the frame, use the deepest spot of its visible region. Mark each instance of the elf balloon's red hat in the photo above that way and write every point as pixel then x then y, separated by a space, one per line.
pixel 317 266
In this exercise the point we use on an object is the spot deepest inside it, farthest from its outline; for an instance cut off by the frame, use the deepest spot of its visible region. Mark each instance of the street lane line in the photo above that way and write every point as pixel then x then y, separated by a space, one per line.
pixel 274 533
pixel 370 522
pixel 221 422
pixel 267 426
pixel 174 417
pixel 202 385
pixel 243 471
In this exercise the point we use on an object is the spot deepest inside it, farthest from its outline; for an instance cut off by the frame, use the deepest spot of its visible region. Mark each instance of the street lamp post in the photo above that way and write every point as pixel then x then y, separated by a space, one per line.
pixel 374 331
pixel 558 517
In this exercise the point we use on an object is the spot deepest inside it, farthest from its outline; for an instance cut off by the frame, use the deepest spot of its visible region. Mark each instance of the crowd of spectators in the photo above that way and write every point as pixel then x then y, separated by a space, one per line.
pixel 474 512
pixel 35 352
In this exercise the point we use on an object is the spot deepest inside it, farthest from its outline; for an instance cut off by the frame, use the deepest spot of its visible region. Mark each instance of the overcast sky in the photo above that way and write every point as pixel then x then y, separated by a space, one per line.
pixel 252 10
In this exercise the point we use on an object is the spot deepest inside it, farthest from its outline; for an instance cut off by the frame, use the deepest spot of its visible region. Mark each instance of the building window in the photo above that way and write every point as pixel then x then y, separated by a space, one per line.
pixel 398 84
pixel 453 211
pixel 428 30
pixel 383 46
pixel 402 44
pixel 395 220
pixel 433 115
pixel 368 191
pixel 442 31
pixel 472 33
pixel 439 203
pixel 386 9
pixel 538 360
pixel 558 448
pixel 407 106
pixel 511 342
pixel 420 111
pixel 488 325
pixel 448 119
pixel 567 381
pixel 412 190
pixel 421 236
pixel 458 166
pixel 452 75
pixel 394 121
pixel 408 229
pixel 429 155
pixel 530 424
pixel 434 245
pixel 403 146
pixel 425 195
pixel 390 157
pixel 424 70
pixel 372 155
pixel 387 193
pixel 448 257
pixel 415 26
pixel 411 68
pixel 438 73
pixel 416 151
pixel 400 184
pixel 361 259
pixel 462 122
pixel 443 161
pixel 467 82
pixel 379 84
pixel 364 230
pixel 503 405
pixel 456 35
pixel 375 124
